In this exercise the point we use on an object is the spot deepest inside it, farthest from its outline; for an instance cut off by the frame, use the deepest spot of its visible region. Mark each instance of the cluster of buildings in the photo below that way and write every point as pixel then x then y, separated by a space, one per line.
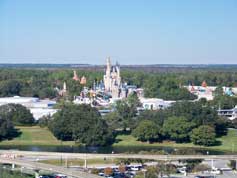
pixel 207 92
pixel 105 93
pixel 108 90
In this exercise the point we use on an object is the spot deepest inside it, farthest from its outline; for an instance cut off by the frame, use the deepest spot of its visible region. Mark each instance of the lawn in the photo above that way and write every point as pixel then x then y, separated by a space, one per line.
pixel 35 136
pixel 79 162
pixel 42 136
pixel 228 142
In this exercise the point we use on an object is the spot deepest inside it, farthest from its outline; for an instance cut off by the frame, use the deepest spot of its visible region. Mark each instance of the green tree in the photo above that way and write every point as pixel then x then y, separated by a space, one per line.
pixel 114 120
pixel 218 91
pixel 152 172
pixel 81 123
pixel 160 170
pixel 127 112
pixel 18 114
pixel 156 116
pixel 191 163
pixel 4 173
pixel 178 128
pixel 7 129
pixel 224 102
pixel 10 87
pixel 147 131
pixel 133 101
pixel 203 135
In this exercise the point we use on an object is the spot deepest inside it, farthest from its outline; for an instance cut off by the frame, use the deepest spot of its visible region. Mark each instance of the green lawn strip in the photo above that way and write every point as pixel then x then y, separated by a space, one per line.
pixel 35 136
pixel 228 142
pixel 78 162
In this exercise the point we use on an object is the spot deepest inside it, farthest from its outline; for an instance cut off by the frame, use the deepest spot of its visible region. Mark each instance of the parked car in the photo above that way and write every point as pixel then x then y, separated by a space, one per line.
pixel 215 171
pixel 101 174
pixel 46 176
pixel 59 176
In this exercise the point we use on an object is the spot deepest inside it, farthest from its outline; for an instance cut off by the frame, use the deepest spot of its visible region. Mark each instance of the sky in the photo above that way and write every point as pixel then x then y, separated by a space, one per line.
pixel 129 31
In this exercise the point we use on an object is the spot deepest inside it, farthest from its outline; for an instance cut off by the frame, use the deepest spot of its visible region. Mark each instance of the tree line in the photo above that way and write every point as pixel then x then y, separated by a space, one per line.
pixel 42 83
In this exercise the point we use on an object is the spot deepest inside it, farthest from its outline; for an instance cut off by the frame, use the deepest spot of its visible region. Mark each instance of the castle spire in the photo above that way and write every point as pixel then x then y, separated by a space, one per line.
pixel 64 87
pixel 108 69
pixel 75 76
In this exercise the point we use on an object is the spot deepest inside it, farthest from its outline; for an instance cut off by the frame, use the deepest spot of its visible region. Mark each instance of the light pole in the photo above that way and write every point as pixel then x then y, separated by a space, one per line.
pixel 85 165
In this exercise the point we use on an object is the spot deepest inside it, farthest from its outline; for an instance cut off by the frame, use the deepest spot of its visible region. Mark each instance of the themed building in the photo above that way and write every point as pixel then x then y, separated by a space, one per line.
pixel 83 80
pixel 207 92
pixel 76 78
pixel 108 90
pixel 112 79
pixel 63 92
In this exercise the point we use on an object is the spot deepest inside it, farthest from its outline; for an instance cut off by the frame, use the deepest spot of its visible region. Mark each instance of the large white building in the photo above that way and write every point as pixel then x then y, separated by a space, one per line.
pixel 37 107
pixel 155 103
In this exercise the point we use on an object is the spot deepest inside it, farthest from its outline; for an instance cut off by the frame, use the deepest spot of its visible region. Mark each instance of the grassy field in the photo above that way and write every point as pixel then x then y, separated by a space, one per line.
pixel 78 162
pixel 42 136
pixel 35 136
pixel 228 142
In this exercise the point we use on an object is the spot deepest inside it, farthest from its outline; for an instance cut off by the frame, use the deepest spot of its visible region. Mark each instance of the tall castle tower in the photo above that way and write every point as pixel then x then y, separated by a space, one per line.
pixel 112 79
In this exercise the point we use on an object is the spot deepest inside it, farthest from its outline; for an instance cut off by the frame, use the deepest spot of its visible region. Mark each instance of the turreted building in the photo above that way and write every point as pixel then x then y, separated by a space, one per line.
pixel 112 79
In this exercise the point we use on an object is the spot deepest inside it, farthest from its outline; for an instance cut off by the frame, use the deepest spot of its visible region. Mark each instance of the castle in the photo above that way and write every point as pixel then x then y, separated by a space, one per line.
pixel 112 79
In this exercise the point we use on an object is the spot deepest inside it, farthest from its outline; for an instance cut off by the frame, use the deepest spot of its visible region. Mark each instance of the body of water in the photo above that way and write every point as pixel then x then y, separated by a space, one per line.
pixel 117 149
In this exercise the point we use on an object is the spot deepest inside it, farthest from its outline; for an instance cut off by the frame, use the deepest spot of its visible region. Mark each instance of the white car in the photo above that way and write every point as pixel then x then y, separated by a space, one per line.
pixel 134 168
pixel 215 171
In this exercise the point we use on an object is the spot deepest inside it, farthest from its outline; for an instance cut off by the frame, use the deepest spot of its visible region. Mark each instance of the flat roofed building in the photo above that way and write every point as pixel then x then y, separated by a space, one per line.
pixel 37 107
pixel 231 114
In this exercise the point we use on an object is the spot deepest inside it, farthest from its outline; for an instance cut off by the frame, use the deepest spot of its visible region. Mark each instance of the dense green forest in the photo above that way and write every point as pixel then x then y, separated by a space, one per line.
pixel 42 83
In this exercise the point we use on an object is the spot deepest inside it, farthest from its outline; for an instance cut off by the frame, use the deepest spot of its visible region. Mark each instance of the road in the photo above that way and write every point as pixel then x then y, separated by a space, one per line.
pixel 93 156
pixel 29 159
pixel 47 167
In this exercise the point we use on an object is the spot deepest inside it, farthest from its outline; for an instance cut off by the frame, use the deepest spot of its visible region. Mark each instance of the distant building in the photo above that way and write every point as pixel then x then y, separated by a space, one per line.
pixel 37 107
pixel 112 79
pixel 108 90
pixel 63 92
pixel 155 103
pixel 205 91
pixel 82 100
pixel 231 114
